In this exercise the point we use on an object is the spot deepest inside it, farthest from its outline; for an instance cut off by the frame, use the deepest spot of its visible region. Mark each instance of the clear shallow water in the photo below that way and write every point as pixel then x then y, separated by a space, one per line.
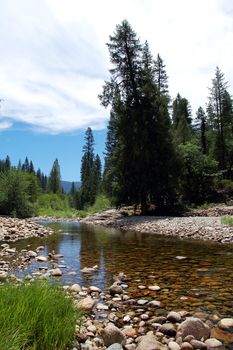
pixel 202 283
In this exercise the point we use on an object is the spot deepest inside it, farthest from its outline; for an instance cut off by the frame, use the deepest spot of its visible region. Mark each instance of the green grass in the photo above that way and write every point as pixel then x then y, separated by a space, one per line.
pixel 101 203
pixel 58 213
pixel 227 220
pixel 36 316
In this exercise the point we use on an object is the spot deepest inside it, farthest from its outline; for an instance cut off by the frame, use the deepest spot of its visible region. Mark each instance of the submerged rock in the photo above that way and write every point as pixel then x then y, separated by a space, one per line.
pixel 56 272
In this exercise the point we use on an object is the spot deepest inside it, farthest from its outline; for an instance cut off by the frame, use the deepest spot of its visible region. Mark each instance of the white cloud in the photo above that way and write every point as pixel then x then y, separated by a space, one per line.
pixel 54 59
pixel 4 124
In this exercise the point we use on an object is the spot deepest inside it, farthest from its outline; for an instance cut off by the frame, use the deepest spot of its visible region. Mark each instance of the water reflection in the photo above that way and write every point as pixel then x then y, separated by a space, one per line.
pixel 201 282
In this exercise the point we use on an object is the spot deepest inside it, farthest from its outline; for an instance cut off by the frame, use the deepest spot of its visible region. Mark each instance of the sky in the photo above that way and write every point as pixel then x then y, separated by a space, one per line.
pixel 54 61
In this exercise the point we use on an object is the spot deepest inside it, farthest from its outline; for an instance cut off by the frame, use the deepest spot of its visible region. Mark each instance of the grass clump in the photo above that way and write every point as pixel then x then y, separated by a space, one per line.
pixel 227 220
pixel 36 316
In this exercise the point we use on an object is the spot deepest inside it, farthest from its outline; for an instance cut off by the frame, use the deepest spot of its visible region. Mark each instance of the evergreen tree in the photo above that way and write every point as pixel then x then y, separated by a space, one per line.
pixel 97 173
pixel 73 188
pixel 88 191
pixel 44 182
pixel 181 120
pixel 75 199
pixel 31 168
pixel 7 163
pixel 19 166
pixel 201 118
pixel 25 166
pixel 138 132
pixel 220 117
pixel 54 181
pixel 161 77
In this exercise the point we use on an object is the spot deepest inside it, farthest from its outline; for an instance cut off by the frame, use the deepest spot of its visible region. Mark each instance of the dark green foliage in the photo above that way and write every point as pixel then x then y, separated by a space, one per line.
pixel 220 119
pixel 31 168
pixel 225 189
pixel 90 172
pixel 5 164
pixel 139 153
pixel 75 197
pixel 25 166
pixel 54 181
pixel 97 168
pixel 181 120
pixel 201 124
pixel 161 78
pixel 18 193
pixel 198 173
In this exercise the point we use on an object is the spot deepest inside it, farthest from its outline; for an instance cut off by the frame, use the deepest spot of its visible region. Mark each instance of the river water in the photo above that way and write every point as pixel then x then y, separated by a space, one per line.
pixel 201 282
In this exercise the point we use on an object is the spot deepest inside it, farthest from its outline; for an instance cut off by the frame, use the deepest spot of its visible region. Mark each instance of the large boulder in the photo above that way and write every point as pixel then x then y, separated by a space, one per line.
pixel 195 327
pixel 149 342
pixel 111 334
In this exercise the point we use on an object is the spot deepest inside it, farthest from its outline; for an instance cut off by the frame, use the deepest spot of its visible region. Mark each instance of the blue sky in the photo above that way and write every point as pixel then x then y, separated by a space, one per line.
pixel 54 61
pixel 44 148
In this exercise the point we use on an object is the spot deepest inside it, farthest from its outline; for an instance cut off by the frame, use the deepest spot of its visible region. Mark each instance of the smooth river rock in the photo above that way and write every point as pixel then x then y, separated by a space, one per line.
pixel 86 304
pixel 213 343
pixel 115 346
pixel 115 289
pixel 111 334
pixel 224 331
pixel 149 342
pixel 193 326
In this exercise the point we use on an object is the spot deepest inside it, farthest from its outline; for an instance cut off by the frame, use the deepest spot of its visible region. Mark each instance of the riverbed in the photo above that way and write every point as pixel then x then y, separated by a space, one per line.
pixel 192 275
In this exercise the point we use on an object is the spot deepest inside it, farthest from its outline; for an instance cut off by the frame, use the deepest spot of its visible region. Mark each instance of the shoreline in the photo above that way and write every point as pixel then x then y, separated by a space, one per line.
pixel 199 227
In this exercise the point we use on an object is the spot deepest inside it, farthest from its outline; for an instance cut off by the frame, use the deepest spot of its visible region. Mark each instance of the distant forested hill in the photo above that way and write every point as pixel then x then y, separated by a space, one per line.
pixel 66 185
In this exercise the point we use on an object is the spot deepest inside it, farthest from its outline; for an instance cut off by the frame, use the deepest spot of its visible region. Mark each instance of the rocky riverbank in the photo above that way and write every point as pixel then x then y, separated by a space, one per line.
pixel 12 229
pixel 195 227
pixel 115 321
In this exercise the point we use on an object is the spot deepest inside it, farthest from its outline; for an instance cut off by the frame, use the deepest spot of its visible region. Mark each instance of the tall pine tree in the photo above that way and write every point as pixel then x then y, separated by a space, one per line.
pixel 138 138
pixel 181 120
pixel 54 181
pixel 88 190
pixel 220 119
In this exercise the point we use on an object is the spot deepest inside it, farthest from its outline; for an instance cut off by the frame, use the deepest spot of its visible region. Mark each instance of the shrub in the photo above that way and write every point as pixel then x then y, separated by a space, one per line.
pixel 101 203
pixel 35 316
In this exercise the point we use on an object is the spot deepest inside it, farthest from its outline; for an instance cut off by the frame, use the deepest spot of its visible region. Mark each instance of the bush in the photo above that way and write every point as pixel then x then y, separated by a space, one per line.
pixel 54 201
pixel 101 203
pixel 36 316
